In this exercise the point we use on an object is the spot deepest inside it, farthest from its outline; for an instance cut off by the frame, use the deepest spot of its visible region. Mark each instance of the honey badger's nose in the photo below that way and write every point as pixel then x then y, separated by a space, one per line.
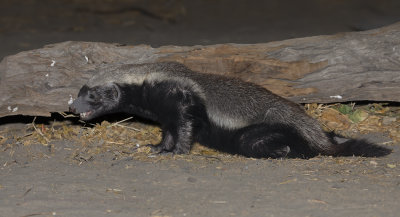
pixel 71 109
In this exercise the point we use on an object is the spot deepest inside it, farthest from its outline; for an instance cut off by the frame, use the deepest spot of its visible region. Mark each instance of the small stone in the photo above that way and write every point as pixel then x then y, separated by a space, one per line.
pixel 373 163
pixel 388 120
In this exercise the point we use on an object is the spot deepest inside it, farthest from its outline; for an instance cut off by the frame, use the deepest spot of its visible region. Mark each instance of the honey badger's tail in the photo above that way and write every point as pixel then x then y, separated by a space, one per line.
pixel 357 147
pixel 332 144
pixel 320 142
pixel 277 140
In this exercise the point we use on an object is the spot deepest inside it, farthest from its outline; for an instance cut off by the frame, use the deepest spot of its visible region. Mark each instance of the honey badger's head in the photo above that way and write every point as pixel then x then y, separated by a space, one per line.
pixel 95 101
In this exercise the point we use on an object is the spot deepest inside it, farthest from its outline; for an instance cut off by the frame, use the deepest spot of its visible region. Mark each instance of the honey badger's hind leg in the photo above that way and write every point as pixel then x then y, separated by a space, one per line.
pixel 271 140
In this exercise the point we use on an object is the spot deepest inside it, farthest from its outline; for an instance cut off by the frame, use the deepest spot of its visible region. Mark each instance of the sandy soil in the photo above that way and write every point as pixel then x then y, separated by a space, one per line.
pixel 62 180
pixel 55 185
pixel 84 176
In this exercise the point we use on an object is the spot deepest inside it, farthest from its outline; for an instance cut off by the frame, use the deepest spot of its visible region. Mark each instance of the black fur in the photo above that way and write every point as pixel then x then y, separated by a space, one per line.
pixel 184 117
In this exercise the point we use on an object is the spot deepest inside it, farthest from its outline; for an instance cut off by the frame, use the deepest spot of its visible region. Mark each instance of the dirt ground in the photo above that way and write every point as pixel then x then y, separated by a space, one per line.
pixel 53 184
pixel 64 168
pixel 56 185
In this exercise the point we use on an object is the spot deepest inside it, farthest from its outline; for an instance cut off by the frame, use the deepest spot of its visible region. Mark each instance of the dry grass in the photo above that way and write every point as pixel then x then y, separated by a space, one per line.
pixel 352 120
pixel 128 139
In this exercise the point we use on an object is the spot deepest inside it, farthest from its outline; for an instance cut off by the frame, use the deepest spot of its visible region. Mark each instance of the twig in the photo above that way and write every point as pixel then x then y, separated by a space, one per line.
pixel 52 126
pixel 83 122
pixel 38 131
pixel 27 191
pixel 67 116
pixel 132 128
pixel 26 135
pixel 352 105
pixel 118 143
pixel 118 123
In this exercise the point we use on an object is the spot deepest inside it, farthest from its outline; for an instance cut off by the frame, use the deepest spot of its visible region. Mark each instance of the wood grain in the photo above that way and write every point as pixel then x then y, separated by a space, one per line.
pixel 355 66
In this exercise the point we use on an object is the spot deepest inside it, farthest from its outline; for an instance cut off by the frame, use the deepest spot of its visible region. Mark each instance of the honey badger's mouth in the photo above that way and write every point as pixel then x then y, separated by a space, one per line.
pixel 85 115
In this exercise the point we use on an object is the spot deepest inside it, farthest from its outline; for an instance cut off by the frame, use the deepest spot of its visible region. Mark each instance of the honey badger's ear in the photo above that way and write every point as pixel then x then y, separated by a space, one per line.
pixel 83 90
pixel 115 91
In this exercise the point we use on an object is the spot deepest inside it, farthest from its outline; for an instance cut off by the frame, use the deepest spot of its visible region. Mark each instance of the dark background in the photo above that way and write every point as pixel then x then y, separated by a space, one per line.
pixel 29 24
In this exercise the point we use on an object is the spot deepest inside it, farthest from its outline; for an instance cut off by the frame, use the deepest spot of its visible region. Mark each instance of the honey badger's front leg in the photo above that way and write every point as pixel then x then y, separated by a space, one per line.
pixel 177 115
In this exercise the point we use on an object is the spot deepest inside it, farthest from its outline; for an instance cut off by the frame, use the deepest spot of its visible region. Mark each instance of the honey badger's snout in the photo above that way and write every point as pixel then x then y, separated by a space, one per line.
pixel 74 106
pixel 81 107
pixel 95 101
pixel 72 109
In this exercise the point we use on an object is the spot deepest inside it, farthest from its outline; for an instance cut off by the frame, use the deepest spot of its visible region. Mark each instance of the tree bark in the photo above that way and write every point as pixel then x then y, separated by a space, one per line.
pixel 355 66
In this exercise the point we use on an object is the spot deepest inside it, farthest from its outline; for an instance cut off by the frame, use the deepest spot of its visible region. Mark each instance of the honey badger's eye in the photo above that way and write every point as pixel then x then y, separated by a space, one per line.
pixel 92 96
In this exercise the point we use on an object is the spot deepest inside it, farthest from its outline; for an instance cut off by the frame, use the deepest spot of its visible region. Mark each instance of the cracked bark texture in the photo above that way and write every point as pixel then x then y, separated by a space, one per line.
pixel 354 66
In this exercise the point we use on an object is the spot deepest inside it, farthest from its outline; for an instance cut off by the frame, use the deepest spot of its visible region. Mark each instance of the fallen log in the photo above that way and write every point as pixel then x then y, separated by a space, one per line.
pixel 355 66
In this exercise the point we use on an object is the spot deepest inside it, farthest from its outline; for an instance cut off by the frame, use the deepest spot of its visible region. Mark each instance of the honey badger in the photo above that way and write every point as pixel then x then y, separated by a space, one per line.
pixel 227 114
